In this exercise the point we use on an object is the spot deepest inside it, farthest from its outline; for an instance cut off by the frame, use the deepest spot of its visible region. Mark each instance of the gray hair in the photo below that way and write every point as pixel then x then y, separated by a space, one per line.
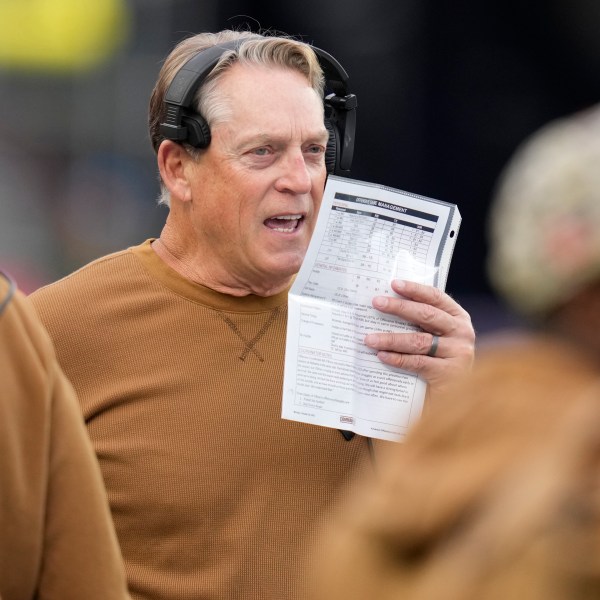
pixel 254 48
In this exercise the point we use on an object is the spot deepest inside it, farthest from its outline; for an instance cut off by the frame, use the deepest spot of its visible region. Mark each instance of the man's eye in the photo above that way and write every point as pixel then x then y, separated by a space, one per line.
pixel 315 149
pixel 263 151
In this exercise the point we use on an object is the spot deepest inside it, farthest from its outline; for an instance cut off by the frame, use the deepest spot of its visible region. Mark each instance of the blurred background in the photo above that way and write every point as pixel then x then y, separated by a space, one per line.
pixel 447 90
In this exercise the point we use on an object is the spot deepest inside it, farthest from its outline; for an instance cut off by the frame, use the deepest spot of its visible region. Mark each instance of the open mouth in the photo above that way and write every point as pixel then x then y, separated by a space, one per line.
pixel 284 223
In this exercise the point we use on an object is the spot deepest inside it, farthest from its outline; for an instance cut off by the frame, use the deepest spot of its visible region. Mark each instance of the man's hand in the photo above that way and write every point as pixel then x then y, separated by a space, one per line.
pixel 437 314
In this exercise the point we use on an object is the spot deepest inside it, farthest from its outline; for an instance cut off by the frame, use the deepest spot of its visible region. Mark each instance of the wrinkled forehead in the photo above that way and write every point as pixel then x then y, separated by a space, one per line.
pixel 266 93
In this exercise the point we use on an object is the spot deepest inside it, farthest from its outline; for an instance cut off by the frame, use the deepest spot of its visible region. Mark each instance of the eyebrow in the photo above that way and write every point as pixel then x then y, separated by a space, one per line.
pixel 263 138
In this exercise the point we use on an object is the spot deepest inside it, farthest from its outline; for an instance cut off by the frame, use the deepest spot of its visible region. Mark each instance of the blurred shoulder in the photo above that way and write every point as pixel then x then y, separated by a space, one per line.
pixel 23 337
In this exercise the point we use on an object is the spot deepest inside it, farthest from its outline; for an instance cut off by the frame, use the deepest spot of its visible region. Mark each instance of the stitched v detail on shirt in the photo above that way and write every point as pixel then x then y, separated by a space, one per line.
pixel 249 345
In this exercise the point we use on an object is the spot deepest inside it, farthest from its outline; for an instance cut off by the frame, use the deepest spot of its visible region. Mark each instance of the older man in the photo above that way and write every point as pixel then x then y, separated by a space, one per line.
pixel 176 346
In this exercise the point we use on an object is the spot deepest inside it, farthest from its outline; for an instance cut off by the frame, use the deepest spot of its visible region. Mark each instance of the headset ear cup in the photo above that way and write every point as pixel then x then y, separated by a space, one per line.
pixel 198 131
pixel 331 151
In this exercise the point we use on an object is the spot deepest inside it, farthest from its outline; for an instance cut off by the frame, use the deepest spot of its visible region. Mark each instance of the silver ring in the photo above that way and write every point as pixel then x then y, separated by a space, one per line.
pixel 435 340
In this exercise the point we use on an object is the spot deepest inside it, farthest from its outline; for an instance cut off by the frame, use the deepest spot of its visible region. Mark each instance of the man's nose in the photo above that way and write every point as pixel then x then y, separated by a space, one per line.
pixel 295 176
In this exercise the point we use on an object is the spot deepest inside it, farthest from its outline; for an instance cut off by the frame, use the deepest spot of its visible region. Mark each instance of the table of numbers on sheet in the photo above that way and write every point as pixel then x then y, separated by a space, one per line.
pixel 361 251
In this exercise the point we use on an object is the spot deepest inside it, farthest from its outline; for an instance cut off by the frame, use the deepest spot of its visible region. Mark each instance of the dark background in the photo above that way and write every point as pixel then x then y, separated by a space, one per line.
pixel 447 90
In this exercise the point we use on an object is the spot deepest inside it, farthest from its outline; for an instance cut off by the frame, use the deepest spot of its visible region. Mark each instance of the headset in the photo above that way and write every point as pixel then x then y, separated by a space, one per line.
pixel 183 124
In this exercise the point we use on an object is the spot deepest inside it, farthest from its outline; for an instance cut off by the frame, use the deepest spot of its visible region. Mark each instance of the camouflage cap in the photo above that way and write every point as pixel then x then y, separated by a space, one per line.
pixel 544 221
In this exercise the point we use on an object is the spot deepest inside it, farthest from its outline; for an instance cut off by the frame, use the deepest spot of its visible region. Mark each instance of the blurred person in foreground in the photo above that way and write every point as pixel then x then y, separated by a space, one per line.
pixel 176 346
pixel 57 540
pixel 499 497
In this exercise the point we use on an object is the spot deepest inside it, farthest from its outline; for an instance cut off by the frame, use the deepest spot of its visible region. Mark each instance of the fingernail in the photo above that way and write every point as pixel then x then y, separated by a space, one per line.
pixel 380 302
pixel 371 339
pixel 400 284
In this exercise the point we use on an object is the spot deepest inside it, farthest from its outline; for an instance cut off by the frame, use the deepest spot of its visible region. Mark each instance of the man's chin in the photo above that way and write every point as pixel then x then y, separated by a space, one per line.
pixel 281 273
pixel 288 266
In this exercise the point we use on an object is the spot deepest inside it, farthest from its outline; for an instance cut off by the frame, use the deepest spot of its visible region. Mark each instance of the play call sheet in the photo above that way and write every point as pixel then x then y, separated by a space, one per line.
pixel 366 235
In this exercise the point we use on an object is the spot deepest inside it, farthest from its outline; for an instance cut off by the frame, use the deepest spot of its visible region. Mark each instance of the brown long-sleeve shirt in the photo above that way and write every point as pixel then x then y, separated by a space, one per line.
pixel 213 495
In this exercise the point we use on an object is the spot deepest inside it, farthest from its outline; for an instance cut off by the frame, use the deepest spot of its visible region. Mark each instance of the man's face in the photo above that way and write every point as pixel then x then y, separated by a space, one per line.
pixel 257 189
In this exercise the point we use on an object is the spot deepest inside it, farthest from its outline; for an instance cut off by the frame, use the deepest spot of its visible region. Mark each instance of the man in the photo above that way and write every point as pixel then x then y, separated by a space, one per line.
pixel 58 540
pixel 176 346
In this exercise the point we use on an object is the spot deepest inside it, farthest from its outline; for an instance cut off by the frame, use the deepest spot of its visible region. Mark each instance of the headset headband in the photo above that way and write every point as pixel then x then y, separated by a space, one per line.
pixel 183 124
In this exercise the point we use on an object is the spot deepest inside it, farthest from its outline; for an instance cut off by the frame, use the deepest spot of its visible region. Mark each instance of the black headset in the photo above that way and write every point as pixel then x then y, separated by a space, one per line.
pixel 183 124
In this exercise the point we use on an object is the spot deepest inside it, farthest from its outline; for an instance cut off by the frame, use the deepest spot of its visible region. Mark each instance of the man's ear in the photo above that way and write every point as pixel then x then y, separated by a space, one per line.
pixel 172 158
